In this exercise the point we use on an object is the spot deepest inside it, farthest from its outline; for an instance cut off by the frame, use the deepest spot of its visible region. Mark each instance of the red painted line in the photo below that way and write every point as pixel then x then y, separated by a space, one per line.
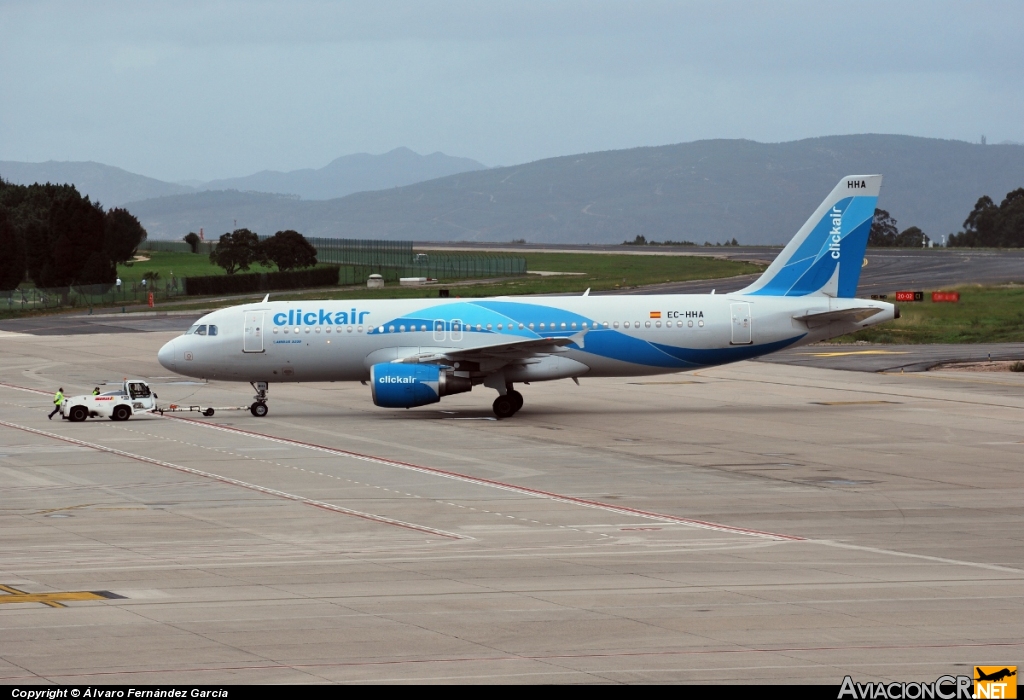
pixel 535 657
pixel 243 484
pixel 480 481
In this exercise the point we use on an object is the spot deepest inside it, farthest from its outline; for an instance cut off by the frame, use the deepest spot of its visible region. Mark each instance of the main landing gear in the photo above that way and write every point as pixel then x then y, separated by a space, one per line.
pixel 259 406
pixel 508 404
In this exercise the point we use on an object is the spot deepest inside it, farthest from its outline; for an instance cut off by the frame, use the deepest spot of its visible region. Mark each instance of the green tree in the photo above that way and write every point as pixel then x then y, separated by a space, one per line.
pixel 122 235
pixel 12 261
pixel 237 250
pixel 994 226
pixel 73 233
pixel 912 237
pixel 289 250
pixel 193 241
pixel 883 230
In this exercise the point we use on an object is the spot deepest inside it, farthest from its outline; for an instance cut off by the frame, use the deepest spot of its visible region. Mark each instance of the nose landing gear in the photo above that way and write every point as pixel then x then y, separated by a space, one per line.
pixel 259 406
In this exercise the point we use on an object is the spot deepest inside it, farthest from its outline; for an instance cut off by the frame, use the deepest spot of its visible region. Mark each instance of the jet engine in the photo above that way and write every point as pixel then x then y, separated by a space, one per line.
pixel 396 385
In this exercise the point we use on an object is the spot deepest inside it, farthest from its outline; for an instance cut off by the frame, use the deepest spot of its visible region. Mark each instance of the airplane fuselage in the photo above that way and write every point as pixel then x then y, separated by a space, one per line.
pixel 314 341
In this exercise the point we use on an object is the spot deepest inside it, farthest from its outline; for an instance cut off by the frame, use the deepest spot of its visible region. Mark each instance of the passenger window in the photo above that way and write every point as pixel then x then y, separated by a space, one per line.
pixel 616 324
pixel 488 326
pixel 542 326
pixel 201 330
pixel 690 324
pixel 646 323
pixel 359 329
pixel 531 326
pixel 401 329
pixel 520 326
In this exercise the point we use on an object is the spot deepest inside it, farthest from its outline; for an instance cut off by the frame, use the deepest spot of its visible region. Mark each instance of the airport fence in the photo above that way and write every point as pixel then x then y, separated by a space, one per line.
pixel 320 276
pixel 394 259
pixel 87 296
pixel 359 258
pixel 177 246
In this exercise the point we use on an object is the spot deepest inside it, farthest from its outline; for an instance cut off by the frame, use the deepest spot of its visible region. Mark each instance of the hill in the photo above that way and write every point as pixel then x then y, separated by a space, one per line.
pixel 358 172
pixel 102 183
pixel 704 190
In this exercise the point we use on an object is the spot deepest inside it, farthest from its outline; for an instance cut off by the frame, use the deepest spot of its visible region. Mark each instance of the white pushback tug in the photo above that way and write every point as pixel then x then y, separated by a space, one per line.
pixel 134 396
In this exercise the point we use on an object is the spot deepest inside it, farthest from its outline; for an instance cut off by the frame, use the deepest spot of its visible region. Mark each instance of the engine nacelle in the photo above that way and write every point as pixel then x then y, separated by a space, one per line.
pixel 395 385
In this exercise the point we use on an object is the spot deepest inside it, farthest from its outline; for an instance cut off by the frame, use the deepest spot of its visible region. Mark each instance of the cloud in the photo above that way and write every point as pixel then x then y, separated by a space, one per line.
pixel 216 89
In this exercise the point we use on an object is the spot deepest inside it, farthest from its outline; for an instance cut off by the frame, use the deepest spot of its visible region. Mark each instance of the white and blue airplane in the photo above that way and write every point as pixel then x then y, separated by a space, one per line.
pixel 415 351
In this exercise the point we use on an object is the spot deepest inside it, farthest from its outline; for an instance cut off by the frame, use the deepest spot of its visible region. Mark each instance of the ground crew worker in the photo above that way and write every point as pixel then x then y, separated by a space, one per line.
pixel 96 391
pixel 58 400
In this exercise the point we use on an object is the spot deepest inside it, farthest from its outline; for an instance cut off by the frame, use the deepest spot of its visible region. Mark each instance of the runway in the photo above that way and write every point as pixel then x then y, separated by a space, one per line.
pixel 754 523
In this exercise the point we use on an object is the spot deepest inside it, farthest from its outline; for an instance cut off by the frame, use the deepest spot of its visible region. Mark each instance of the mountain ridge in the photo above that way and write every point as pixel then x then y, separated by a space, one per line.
pixel 356 172
pixel 709 190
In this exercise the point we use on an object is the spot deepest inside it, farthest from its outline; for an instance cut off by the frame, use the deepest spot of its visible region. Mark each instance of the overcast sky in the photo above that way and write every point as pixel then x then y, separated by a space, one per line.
pixel 182 90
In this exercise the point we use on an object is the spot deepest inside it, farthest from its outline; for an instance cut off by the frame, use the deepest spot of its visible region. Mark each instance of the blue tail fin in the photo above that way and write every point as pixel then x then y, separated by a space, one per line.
pixel 827 252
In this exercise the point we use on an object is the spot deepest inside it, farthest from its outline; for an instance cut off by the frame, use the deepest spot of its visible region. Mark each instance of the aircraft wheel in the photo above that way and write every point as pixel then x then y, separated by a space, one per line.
pixel 517 400
pixel 504 407
pixel 208 413
pixel 121 413
pixel 258 409
pixel 78 414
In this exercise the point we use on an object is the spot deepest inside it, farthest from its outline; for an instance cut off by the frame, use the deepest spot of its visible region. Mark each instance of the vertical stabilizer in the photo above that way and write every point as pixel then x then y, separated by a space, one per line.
pixel 827 252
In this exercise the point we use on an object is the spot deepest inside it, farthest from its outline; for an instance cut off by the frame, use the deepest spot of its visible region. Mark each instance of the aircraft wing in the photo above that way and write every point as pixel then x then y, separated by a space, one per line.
pixel 847 315
pixel 504 352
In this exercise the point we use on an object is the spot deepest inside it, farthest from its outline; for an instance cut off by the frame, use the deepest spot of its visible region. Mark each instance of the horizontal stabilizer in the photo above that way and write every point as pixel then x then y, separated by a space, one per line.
pixel 844 315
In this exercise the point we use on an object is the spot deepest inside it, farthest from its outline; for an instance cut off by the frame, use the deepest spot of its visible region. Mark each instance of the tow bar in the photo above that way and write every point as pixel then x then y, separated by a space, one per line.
pixel 208 411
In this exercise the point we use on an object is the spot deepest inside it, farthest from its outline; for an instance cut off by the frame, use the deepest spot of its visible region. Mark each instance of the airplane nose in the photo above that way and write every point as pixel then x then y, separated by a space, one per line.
pixel 166 356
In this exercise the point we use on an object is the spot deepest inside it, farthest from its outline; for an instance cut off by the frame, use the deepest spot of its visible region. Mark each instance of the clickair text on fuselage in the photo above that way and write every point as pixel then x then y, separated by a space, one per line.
pixel 320 317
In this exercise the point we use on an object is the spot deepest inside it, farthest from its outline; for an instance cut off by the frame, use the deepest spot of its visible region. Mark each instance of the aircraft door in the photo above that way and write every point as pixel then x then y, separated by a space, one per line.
pixel 252 334
pixel 439 330
pixel 740 324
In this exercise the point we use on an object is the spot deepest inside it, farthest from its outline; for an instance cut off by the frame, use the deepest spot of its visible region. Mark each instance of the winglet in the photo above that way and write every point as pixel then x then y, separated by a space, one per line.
pixel 587 293
pixel 265 299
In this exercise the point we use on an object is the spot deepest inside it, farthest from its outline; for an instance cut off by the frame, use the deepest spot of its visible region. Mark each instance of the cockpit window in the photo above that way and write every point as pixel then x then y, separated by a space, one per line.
pixel 201 330
pixel 191 330
pixel 213 330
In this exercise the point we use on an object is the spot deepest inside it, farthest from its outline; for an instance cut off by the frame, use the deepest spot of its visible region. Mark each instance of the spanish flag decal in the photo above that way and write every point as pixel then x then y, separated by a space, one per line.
pixel 655 314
